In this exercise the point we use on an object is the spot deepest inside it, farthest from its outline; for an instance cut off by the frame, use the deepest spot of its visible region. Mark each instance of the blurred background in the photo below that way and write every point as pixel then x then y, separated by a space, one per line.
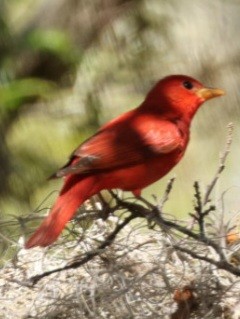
pixel 68 66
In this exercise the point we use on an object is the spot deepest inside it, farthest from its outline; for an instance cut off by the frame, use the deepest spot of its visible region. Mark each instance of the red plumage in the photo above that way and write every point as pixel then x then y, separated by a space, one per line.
pixel 130 152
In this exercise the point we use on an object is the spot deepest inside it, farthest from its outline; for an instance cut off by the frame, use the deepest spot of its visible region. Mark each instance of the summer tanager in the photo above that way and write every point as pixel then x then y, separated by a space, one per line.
pixel 130 152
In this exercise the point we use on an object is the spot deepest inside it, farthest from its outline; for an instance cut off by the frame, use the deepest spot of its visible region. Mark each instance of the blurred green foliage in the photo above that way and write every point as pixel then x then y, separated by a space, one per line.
pixel 54 41
pixel 16 92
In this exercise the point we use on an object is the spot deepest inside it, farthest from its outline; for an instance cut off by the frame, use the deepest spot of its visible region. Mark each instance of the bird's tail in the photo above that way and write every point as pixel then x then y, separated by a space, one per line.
pixel 72 195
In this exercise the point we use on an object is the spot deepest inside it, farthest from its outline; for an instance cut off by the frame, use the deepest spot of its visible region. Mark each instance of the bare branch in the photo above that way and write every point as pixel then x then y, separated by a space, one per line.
pixel 88 256
pixel 153 215
pixel 219 264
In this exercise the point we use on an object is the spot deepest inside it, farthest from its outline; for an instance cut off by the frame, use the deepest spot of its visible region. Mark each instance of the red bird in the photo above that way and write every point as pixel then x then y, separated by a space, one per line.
pixel 130 152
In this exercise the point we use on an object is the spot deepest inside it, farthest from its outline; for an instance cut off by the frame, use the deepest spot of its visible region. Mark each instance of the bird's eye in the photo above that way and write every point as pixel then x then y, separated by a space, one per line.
pixel 188 85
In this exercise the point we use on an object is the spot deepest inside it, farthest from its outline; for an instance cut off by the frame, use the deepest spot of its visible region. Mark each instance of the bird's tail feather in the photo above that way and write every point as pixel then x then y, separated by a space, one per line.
pixel 73 194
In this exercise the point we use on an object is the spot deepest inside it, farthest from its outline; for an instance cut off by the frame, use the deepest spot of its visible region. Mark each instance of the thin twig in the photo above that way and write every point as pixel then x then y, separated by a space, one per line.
pixel 168 190
pixel 7 239
pixel 222 264
pixel 199 214
pixel 221 166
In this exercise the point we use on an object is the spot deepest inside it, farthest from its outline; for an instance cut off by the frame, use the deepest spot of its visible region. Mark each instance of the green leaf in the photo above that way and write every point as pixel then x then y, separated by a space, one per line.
pixel 54 41
pixel 15 92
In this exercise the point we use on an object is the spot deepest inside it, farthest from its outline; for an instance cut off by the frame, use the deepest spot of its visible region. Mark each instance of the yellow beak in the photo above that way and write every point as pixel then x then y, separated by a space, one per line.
pixel 209 93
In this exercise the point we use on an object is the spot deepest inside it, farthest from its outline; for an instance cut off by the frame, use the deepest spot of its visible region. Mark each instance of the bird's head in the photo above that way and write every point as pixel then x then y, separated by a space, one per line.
pixel 179 94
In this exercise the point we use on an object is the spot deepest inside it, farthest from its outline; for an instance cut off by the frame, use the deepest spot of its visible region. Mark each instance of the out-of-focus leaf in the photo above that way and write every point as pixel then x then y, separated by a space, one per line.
pixel 54 41
pixel 12 94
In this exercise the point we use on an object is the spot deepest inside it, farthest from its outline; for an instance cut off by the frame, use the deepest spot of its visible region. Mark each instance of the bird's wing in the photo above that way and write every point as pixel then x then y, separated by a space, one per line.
pixel 123 145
